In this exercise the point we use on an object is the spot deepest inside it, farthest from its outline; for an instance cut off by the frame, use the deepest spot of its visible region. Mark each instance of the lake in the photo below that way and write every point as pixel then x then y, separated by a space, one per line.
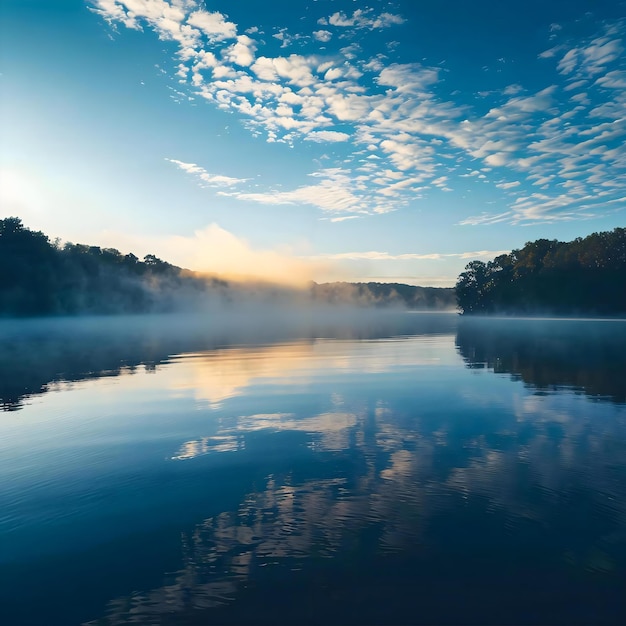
pixel 321 468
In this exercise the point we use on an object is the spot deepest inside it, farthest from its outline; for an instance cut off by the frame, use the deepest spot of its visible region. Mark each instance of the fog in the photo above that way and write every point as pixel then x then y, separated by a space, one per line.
pixel 50 278
pixel 186 291
pixel 37 353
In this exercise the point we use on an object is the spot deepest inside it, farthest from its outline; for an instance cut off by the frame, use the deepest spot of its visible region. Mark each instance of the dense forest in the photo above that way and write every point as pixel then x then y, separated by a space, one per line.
pixel 42 277
pixel 584 276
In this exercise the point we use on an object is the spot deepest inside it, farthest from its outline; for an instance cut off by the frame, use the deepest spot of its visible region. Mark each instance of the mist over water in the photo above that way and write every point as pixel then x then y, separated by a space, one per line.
pixel 331 466
pixel 37 352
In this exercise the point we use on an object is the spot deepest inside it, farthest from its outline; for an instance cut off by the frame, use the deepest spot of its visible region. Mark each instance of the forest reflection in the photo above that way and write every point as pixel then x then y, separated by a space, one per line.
pixel 377 461
pixel 584 355
pixel 38 355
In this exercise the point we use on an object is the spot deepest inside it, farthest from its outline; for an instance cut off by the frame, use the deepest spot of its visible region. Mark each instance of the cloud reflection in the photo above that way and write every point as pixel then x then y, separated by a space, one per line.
pixel 36 355
pixel 298 459
pixel 388 486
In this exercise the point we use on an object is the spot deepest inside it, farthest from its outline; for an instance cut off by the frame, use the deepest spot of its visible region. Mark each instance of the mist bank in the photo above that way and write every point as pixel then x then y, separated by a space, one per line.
pixel 38 354
pixel 39 277
pixel 586 276
pixel 41 355
pixel 386 294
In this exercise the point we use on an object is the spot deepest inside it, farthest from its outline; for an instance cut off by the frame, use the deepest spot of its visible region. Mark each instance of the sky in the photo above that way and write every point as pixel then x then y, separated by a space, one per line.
pixel 314 139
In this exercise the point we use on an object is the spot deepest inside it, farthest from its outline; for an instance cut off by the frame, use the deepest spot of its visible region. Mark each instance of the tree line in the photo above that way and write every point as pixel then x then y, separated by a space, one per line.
pixel 583 276
pixel 43 277
pixel 40 277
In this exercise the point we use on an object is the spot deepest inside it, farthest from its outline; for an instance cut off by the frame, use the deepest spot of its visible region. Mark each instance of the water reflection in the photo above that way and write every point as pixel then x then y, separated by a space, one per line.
pixel 411 476
pixel 585 355
pixel 38 355
pixel 328 481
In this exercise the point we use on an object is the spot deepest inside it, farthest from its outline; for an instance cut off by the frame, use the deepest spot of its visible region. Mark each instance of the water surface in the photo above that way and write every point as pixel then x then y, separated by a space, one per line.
pixel 371 469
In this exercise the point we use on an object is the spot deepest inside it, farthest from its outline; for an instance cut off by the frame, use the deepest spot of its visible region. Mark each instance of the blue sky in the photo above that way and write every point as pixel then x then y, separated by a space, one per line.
pixel 314 139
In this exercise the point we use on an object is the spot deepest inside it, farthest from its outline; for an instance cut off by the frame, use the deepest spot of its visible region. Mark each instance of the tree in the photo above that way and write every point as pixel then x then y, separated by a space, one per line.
pixel 548 276
pixel 471 288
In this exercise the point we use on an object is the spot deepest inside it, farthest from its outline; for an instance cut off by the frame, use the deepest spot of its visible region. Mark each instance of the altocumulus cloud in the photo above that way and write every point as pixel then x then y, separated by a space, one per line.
pixel 554 153
pixel 211 180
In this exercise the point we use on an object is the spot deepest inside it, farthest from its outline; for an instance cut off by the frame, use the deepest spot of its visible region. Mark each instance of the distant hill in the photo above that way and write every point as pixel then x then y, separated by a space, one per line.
pixel 584 276
pixel 385 294
pixel 39 277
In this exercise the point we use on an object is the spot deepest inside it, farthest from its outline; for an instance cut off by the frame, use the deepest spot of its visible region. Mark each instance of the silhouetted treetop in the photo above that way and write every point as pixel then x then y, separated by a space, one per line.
pixel 39 277
pixel 587 275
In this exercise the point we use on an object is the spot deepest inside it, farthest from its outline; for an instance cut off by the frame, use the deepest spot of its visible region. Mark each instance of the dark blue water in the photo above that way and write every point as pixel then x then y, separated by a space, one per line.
pixel 363 469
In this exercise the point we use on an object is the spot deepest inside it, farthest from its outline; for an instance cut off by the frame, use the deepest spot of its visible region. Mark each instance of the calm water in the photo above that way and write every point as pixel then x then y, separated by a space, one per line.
pixel 405 468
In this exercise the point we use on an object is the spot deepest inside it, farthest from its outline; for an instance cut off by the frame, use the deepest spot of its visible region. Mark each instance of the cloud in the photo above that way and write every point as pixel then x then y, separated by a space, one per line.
pixel 215 250
pixel 408 77
pixel 212 180
pixel 336 191
pixel 513 90
pixel 242 52
pixel 213 25
pixel 397 112
pixel 322 35
pixel 542 208
pixel 343 219
pixel 612 80
pixel 324 136
pixel 510 185
pixel 435 256
pixel 591 59
pixel 487 218
pixel 287 39
pixel 362 18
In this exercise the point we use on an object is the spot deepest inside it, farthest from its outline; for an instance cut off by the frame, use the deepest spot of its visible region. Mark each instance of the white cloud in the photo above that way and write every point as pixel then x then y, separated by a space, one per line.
pixel 487 218
pixel 297 69
pixel 242 52
pixel 510 185
pixel 362 18
pixel 322 35
pixel 213 25
pixel 550 53
pixel 287 39
pixel 336 192
pixel 324 136
pixel 410 155
pixel 374 255
pixel 396 111
pixel 612 80
pixel 344 218
pixel 214 250
pixel 513 90
pixel 592 57
pixel 500 158
pixel 212 180
pixel 408 77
